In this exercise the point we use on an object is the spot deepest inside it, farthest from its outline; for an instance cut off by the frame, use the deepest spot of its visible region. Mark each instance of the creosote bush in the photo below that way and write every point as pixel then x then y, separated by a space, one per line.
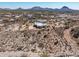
pixel 75 32
pixel 44 54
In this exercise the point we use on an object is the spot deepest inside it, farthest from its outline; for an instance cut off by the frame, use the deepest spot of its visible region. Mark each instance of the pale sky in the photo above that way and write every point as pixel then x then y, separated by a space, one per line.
pixel 13 5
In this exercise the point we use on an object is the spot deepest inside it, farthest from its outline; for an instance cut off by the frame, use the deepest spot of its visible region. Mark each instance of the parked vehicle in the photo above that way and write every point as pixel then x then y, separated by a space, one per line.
pixel 40 23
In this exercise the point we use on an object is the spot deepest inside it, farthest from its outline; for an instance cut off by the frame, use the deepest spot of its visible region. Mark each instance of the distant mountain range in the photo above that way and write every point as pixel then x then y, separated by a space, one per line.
pixel 49 9
pixel 38 8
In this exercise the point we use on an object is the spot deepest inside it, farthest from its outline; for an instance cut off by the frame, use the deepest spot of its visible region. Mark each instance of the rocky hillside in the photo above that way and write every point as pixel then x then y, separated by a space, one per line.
pixel 18 37
pixel 32 42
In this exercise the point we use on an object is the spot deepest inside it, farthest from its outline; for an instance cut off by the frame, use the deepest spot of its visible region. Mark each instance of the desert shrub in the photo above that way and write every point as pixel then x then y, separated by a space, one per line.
pixel 67 27
pixel 5 21
pixel 39 32
pixel 23 55
pixel 75 32
pixel 41 45
pixel 56 42
pixel 33 42
pixel 44 54
pixel 45 36
pixel 33 50
pixel 76 35
pixel 19 48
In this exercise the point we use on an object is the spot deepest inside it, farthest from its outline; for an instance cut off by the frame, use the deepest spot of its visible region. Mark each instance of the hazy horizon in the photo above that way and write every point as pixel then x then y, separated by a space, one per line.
pixel 26 5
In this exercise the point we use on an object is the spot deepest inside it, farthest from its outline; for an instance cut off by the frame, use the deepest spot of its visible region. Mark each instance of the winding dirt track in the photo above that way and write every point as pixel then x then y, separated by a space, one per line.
pixel 68 38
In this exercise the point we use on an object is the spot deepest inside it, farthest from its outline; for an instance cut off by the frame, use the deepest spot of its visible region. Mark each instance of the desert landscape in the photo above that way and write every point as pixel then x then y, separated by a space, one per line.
pixel 39 32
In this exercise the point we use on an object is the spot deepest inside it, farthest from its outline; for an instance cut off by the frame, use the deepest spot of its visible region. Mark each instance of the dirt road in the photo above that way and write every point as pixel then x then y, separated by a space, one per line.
pixel 70 41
